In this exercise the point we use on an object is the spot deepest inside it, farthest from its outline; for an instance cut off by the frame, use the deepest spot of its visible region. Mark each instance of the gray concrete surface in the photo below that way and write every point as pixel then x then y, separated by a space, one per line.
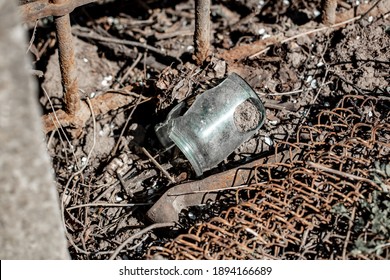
pixel 30 220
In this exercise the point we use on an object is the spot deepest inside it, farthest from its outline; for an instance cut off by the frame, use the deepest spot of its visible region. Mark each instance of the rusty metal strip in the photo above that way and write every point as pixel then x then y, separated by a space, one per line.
pixel 168 207
pixel 44 8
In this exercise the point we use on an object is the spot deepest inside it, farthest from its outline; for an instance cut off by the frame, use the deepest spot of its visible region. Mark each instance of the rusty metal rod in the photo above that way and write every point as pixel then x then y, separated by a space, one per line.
pixel 44 8
pixel 179 197
pixel 202 36
pixel 67 62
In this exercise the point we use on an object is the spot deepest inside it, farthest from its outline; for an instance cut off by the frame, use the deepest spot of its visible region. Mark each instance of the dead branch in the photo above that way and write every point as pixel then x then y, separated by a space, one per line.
pixel 140 233
pixel 101 105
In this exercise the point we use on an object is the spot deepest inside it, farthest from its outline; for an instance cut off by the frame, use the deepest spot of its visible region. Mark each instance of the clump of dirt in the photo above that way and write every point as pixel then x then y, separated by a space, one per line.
pixel 246 116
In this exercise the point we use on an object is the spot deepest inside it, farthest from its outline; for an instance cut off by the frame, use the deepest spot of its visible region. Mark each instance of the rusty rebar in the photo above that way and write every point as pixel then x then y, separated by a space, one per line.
pixel 202 34
pixel 67 62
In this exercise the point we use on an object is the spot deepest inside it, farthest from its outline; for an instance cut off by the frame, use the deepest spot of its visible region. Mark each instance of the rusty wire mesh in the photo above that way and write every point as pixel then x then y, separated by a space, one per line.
pixel 329 200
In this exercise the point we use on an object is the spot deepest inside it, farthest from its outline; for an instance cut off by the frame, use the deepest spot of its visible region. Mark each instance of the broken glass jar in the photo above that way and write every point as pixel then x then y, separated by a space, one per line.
pixel 216 124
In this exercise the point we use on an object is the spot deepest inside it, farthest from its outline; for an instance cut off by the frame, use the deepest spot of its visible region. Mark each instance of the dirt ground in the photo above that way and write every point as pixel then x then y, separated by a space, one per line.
pixel 105 205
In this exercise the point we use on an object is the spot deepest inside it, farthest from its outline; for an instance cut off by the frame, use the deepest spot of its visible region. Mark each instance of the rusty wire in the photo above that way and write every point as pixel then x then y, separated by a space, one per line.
pixel 331 202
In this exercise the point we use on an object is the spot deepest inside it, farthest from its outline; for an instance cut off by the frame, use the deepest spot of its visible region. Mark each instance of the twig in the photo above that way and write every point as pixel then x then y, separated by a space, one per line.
pixel 94 36
pixel 128 249
pixel 281 93
pixel 103 204
pixel 94 138
pixel 210 190
pixel 59 123
pixel 370 9
pixel 141 232
pixel 73 176
pixel 306 33
pixel 340 173
pixel 202 30
pixel 102 104
pixel 158 165
pixel 124 77
pixel 350 224
pixel 33 36
pixel 113 152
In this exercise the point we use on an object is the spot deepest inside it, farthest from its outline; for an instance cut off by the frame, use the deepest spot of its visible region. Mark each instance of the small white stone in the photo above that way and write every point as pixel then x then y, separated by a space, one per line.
pixel 316 13
pixel 106 80
pixel 313 83
pixel 268 141
pixel 370 114
pixel 319 64
pixel 85 60
pixel 261 31
pixel 370 19
pixel 309 79
pixel 265 36
pixel 83 160
pixel 286 2
pixel 118 198
pixel 357 2
pixel 110 20
pixel 273 122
